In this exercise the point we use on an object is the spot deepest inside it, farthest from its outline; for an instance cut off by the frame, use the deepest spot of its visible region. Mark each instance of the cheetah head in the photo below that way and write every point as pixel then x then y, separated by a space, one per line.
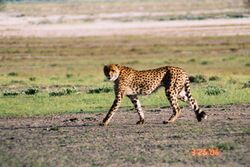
pixel 111 71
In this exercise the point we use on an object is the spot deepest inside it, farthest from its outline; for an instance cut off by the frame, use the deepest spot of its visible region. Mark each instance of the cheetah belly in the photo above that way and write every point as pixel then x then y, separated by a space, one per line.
pixel 147 90
pixel 130 91
pixel 141 90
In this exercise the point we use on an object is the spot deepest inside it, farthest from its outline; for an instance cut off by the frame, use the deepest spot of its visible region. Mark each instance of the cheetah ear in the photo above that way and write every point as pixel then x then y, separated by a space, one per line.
pixel 105 67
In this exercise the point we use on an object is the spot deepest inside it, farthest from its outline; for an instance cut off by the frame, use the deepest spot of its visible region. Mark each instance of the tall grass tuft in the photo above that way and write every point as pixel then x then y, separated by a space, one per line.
pixel 100 90
pixel 31 91
pixel 32 78
pixel 13 74
pixel 63 92
pixel 57 93
pixel 214 90
pixel 10 93
pixel 197 79
pixel 246 85
pixel 214 78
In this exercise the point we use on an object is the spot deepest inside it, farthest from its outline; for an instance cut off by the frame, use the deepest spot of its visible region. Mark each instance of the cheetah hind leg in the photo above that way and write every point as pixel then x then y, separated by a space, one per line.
pixel 134 99
pixel 176 109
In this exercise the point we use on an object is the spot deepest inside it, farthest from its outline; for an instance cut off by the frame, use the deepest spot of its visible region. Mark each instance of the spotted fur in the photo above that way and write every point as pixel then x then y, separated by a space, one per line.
pixel 131 83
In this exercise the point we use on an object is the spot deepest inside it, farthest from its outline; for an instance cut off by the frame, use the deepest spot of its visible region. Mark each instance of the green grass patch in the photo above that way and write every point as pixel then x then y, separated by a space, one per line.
pixel 44 104
pixel 225 146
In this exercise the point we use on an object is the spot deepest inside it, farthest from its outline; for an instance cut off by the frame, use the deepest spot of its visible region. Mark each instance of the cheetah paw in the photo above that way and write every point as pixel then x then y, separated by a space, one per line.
pixel 165 122
pixel 140 122
pixel 103 124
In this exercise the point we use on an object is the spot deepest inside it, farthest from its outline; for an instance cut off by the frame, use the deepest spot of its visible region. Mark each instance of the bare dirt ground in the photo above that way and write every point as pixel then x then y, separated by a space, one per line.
pixel 77 140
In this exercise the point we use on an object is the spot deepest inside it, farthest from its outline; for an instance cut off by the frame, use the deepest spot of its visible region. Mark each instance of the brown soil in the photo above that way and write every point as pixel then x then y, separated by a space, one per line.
pixel 77 140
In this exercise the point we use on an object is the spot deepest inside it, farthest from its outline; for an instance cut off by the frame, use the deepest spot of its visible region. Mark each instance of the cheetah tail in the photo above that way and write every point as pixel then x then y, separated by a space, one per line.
pixel 199 114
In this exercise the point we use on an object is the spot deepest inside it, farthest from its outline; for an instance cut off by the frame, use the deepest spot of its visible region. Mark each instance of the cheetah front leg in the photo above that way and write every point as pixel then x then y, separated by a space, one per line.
pixel 134 99
pixel 112 110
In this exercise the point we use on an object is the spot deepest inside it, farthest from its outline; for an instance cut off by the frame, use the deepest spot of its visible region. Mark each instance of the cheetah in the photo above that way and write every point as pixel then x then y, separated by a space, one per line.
pixel 131 83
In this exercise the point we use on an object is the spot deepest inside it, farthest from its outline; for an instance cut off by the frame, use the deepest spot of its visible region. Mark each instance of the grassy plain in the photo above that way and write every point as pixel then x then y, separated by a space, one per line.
pixel 56 64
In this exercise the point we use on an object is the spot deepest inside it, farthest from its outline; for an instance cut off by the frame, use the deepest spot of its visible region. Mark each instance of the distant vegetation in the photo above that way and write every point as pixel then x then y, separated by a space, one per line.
pixel 157 10
pixel 2 5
